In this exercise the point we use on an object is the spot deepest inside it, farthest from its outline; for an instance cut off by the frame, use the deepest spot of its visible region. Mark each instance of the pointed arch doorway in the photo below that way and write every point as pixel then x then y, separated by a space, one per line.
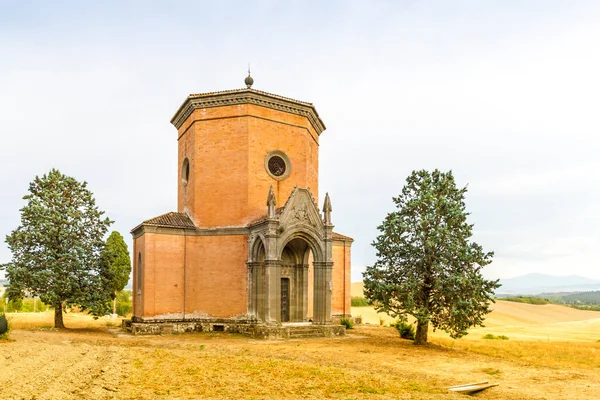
pixel 296 282
pixel 294 287
pixel 282 290
pixel 290 263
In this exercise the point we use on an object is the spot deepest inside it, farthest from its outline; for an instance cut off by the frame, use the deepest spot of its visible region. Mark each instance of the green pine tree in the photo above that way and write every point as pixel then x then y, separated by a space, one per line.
pixel 116 257
pixel 427 267
pixel 56 251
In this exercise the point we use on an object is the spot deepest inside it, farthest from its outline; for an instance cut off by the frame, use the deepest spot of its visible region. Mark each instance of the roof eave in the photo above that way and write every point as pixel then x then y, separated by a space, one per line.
pixel 247 96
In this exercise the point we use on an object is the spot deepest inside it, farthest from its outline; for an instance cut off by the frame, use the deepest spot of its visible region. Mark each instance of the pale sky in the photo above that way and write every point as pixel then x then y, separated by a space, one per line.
pixel 504 93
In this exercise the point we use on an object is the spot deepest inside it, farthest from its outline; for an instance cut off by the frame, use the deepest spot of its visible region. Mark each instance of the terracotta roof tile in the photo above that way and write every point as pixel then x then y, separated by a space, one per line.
pixel 208 94
pixel 337 236
pixel 171 219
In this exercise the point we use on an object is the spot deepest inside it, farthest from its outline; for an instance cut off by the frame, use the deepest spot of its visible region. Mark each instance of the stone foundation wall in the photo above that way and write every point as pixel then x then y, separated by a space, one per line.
pixel 249 328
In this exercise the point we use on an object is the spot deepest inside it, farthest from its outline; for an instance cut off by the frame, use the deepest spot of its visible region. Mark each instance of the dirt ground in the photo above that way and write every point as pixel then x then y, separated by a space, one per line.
pixel 96 360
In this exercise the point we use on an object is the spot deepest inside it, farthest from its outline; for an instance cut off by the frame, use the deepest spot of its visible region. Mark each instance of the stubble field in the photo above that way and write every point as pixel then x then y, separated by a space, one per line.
pixel 553 353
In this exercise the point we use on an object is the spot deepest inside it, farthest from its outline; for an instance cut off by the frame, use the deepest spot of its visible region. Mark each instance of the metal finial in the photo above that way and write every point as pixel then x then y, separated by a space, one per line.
pixel 248 81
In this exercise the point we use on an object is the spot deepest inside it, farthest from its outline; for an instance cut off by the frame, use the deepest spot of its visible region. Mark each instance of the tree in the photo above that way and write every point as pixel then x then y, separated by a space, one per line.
pixel 56 250
pixel 116 258
pixel 426 266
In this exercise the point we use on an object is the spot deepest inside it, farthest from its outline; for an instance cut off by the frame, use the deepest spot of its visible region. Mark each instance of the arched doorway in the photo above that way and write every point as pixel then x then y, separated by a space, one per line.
pixel 296 282
pixel 257 305
pixel 290 263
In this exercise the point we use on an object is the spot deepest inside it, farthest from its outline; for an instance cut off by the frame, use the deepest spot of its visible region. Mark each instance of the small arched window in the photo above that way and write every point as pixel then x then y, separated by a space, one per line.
pixel 185 172
pixel 140 274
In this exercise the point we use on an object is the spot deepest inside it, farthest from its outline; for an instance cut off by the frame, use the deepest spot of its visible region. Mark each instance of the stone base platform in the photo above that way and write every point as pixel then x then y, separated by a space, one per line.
pixel 294 331
pixel 248 328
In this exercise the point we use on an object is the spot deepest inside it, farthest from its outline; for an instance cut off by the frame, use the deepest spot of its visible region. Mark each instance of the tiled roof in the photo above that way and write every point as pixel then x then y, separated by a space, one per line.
pixel 208 94
pixel 337 236
pixel 172 220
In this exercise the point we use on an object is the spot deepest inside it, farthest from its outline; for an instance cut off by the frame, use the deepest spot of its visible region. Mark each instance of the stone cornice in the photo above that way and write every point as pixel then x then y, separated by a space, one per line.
pixel 164 230
pixel 247 96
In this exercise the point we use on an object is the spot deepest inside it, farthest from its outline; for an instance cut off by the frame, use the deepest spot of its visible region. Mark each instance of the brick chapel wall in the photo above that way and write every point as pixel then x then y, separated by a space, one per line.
pixel 217 276
pixel 138 254
pixel 340 297
pixel 186 193
pixel 297 139
pixel 227 155
pixel 217 144
pixel 162 282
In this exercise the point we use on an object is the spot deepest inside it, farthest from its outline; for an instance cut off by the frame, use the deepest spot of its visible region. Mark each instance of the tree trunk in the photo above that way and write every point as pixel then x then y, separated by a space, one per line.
pixel 421 336
pixel 58 316
pixel 115 304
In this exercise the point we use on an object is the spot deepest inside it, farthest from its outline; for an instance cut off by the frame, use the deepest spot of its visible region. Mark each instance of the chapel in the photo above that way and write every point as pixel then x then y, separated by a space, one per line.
pixel 248 246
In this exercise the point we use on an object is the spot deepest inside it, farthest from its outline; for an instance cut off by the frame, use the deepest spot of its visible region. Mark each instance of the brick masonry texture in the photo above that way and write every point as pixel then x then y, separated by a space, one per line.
pixel 195 277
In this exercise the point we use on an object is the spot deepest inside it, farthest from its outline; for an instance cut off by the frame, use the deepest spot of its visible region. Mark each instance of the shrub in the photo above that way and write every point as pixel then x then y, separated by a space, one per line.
pixel 526 299
pixel 347 322
pixel 491 336
pixel 124 304
pixel 584 307
pixel 4 327
pixel 406 330
pixel 33 305
pixel 359 301
pixel 14 305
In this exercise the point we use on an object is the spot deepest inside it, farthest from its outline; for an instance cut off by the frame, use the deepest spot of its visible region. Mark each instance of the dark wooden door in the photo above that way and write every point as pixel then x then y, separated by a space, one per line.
pixel 285 300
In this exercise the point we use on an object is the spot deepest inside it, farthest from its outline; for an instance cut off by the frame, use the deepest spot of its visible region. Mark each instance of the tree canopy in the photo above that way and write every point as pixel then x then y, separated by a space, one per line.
pixel 115 256
pixel 56 251
pixel 426 266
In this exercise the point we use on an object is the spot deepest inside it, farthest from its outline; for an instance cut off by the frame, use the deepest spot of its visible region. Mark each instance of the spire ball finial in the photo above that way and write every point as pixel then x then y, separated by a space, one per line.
pixel 249 81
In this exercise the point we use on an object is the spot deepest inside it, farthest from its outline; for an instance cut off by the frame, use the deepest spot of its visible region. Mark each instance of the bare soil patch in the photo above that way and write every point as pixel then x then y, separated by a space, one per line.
pixel 371 362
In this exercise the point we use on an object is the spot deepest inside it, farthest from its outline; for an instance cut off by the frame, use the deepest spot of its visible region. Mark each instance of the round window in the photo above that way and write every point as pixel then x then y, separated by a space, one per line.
pixel 185 172
pixel 278 165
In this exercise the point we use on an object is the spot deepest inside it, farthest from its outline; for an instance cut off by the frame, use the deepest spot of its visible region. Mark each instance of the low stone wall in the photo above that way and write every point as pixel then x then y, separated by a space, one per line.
pixel 174 327
pixel 251 329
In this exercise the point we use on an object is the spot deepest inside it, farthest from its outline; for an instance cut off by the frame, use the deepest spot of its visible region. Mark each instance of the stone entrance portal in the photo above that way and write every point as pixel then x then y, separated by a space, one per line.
pixel 282 248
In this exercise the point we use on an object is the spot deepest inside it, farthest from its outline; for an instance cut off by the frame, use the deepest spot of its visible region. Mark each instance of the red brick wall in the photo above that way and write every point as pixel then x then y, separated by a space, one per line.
pixel 340 298
pixel 226 147
pixel 162 283
pixel 217 275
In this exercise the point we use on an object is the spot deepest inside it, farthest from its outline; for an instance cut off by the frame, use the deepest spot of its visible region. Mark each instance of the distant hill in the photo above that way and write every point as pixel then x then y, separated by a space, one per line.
pixel 540 283
pixel 530 284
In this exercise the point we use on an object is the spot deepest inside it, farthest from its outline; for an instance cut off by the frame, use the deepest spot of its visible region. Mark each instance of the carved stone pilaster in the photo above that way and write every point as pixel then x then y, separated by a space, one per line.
pixel 272 291
pixel 253 287
pixel 322 292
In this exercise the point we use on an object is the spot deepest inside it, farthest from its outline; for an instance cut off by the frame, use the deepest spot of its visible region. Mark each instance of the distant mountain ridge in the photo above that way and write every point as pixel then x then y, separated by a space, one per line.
pixel 541 283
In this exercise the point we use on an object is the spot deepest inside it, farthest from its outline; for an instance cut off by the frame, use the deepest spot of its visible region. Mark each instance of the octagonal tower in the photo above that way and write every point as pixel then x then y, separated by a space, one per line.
pixel 234 145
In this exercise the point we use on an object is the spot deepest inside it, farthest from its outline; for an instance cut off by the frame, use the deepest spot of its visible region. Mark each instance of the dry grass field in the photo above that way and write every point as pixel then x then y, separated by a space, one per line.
pixel 553 353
